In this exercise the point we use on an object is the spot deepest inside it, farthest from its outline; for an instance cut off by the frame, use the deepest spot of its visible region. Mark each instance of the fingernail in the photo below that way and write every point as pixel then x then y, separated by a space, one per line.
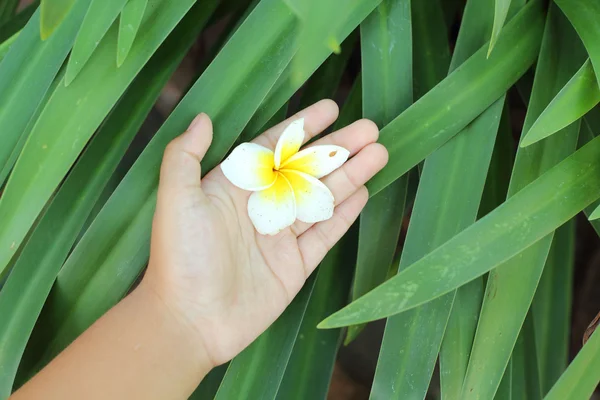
pixel 196 121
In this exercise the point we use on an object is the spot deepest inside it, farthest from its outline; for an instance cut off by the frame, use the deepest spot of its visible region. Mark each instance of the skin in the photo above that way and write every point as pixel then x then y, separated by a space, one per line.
pixel 213 284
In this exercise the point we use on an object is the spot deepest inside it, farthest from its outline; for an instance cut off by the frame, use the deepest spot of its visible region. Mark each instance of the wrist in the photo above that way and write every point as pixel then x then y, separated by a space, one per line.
pixel 181 332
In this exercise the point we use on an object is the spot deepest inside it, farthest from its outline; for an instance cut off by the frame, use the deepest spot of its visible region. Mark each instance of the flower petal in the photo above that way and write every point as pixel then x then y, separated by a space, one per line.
pixel 317 161
pixel 314 201
pixel 250 167
pixel 273 209
pixel 289 142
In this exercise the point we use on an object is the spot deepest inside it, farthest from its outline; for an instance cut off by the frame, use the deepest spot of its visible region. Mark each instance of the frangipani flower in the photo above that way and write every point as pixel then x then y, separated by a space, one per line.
pixel 286 182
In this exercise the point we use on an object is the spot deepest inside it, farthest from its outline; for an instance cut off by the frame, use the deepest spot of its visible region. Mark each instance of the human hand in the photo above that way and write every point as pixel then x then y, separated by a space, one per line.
pixel 218 276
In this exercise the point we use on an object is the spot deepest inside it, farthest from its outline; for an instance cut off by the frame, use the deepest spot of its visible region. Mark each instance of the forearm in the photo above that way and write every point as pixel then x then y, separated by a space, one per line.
pixel 139 349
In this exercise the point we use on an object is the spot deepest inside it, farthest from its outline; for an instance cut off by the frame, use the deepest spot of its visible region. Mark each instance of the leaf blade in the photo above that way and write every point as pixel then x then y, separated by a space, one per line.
pixel 130 22
pixel 53 13
pixel 98 19
pixel 387 91
pixel 574 100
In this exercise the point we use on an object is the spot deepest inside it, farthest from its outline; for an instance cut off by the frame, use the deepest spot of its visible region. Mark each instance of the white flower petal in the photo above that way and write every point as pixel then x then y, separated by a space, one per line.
pixel 273 209
pixel 317 161
pixel 314 201
pixel 250 167
pixel 289 142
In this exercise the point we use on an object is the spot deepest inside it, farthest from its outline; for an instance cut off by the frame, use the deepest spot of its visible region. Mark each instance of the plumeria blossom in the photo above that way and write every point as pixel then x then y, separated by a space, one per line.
pixel 286 182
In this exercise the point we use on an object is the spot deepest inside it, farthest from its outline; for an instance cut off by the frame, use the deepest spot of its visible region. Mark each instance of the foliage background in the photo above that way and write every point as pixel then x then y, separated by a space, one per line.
pixel 355 369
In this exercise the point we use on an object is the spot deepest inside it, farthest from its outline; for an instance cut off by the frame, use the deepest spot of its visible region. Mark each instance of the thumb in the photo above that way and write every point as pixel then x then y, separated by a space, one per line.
pixel 180 167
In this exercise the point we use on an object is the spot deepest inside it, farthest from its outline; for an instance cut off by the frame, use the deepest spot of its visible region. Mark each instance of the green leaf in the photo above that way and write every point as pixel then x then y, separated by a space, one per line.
pixel 31 278
pixel 582 376
pixel 53 14
pixel 552 307
pixel 229 91
pixel 70 118
pixel 462 323
pixel 352 109
pixel 131 19
pixel 210 384
pixel 311 364
pixel 26 73
pixel 325 81
pixel 501 8
pixel 319 32
pixel 287 85
pixel 445 111
pixel 496 184
pixel 257 372
pixel 387 91
pixel 5 46
pixel 98 19
pixel 455 172
pixel 583 14
pixel 525 218
pixel 511 286
pixel 505 389
pixel 12 158
pixel 432 52
pixel 575 99
pixel 525 377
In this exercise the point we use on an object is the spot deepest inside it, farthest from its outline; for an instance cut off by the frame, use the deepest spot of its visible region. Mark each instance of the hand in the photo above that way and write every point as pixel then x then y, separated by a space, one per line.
pixel 214 272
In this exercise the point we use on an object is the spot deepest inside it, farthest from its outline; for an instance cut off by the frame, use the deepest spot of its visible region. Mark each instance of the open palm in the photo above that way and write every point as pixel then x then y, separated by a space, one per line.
pixel 208 263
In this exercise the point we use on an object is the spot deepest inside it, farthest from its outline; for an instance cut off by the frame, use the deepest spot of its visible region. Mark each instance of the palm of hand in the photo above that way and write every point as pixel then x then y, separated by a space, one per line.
pixel 208 262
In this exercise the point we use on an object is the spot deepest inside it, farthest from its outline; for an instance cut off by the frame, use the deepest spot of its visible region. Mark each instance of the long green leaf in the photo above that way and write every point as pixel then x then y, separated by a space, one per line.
pixel 207 389
pixel 131 19
pixel 583 14
pixel 229 91
pixel 525 375
pixel 511 286
pixel 501 8
pixel 5 46
pixel 69 119
pixel 326 79
pixel 318 32
pixel 311 364
pixel 54 12
pixel 552 307
pixel 19 145
pixel 446 110
pixel 26 73
pixel 24 293
pixel 496 184
pixel 257 372
pixel 431 56
pixel 575 99
pixel 505 389
pixel 387 91
pixel 352 109
pixel 95 25
pixel 455 172
pixel 582 376
pixel 288 83
pixel 462 323
pixel 527 217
